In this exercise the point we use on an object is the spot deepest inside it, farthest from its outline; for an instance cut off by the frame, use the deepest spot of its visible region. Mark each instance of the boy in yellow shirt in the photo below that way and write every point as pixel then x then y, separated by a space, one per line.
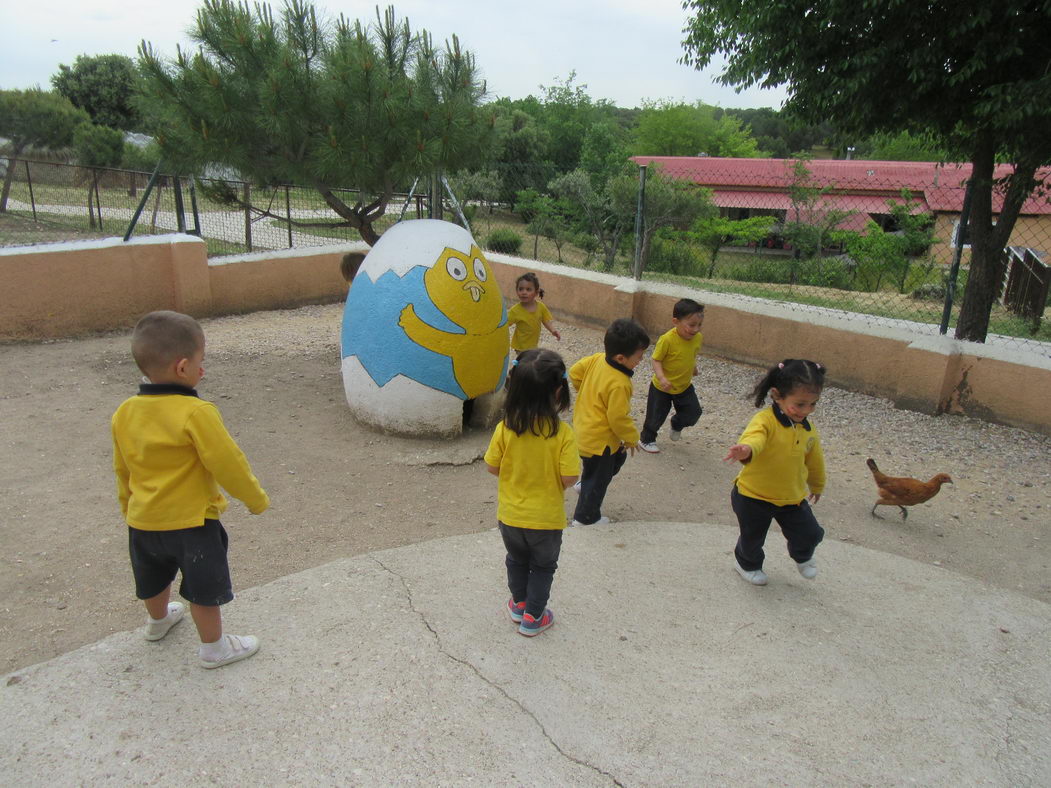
pixel 602 414
pixel 171 453
pixel 674 365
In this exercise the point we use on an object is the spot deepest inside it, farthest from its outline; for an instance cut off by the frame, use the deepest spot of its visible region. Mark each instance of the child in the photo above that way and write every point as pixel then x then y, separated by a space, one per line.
pixel 674 365
pixel 602 417
pixel 783 461
pixel 528 314
pixel 534 454
pixel 170 453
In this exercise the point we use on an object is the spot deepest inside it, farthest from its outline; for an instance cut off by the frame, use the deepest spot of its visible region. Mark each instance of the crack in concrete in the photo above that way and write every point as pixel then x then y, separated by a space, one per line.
pixel 543 730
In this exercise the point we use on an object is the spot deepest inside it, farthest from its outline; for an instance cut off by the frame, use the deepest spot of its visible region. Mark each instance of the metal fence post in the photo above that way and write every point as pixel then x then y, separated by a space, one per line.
pixel 248 216
pixel 29 180
pixel 954 269
pixel 639 216
pixel 288 212
pixel 180 211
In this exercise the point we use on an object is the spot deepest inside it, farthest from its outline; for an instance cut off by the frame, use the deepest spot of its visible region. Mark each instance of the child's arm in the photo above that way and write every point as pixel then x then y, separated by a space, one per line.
pixel 751 442
pixel 493 469
pixel 815 463
pixel 550 326
pixel 123 474
pixel 618 414
pixel 739 452
pixel 224 459
pixel 658 372
pixel 569 481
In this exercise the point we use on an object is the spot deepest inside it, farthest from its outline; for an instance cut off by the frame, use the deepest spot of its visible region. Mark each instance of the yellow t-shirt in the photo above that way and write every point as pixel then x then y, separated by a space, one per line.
pixel 787 462
pixel 602 412
pixel 678 356
pixel 171 453
pixel 527 325
pixel 531 470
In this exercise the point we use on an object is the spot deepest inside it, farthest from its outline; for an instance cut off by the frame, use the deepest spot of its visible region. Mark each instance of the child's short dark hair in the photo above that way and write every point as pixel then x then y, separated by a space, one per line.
pixel 163 337
pixel 685 307
pixel 787 375
pixel 624 337
pixel 537 391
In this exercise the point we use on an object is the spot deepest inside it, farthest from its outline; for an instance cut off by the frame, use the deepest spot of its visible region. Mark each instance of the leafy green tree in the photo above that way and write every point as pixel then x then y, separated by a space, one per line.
pixel 603 220
pixel 712 233
pixel 668 202
pixel 779 135
pixel 812 216
pixel 903 146
pixel 296 100
pixel 97 146
pixel 675 129
pixel 567 114
pixel 102 85
pixel 974 76
pixel 34 118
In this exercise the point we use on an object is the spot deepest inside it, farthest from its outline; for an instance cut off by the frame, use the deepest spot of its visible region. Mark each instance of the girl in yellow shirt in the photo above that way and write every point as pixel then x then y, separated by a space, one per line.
pixel 784 470
pixel 529 314
pixel 534 454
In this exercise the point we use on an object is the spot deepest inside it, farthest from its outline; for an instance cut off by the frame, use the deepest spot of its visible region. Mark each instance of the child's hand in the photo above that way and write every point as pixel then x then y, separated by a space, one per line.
pixel 630 448
pixel 740 452
pixel 664 383
pixel 814 497
pixel 557 335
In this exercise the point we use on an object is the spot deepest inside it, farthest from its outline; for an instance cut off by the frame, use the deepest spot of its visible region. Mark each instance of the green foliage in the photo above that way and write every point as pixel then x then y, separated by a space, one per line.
pixel 98 146
pixel 567 115
pixel 669 254
pixel 975 77
pixel 34 118
pixel 712 232
pixel 139 158
pixel 811 221
pixel 37 118
pixel 902 146
pixel 676 129
pixel 504 240
pixel 779 135
pixel 297 100
pixel 103 86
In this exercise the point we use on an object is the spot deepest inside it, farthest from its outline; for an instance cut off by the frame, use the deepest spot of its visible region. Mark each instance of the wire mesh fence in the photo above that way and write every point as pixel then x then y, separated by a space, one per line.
pixel 866 238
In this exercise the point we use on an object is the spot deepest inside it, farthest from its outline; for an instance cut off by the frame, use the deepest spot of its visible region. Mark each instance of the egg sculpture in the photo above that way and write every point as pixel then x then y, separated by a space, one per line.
pixel 424 331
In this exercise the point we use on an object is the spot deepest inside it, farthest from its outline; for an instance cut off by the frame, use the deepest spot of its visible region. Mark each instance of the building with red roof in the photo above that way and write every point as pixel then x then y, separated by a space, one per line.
pixel 752 187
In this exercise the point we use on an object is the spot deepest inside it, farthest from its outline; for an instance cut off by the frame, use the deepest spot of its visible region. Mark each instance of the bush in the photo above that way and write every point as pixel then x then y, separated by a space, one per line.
pixel 824 272
pixel 504 240
pixel 929 292
pixel 673 257
pixel 769 270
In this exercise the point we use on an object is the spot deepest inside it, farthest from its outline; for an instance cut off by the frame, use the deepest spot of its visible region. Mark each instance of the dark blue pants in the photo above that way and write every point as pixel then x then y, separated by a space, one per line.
pixel 596 473
pixel 797 522
pixel 532 558
pixel 659 403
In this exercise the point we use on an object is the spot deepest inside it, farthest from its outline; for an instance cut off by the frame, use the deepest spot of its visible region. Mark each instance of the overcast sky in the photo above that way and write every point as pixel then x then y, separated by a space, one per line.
pixel 623 50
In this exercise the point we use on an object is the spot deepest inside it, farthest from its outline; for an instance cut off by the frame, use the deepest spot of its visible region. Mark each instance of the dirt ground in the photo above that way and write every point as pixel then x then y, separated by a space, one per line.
pixel 339 489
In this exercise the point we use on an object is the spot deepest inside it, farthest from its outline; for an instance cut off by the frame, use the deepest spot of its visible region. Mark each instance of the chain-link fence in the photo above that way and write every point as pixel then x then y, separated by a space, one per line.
pixel 870 238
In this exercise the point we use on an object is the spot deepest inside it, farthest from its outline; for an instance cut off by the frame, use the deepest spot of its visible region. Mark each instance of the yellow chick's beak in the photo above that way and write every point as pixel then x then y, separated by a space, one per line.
pixel 477 291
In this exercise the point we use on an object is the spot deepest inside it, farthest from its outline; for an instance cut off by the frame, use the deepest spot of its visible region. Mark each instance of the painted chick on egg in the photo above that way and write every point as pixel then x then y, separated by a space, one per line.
pixel 460 285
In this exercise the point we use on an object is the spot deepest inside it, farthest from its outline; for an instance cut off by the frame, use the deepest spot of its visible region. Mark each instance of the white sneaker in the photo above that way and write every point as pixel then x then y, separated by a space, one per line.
pixel 603 520
pixel 576 488
pixel 808 569
pixel 756 577
pixel 650 448
pixel 155 630
pixel 237 647
pixel 675 435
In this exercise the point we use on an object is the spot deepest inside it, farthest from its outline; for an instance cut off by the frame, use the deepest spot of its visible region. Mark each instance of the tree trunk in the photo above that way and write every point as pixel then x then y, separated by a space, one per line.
pixel 987 240
pixel 10 176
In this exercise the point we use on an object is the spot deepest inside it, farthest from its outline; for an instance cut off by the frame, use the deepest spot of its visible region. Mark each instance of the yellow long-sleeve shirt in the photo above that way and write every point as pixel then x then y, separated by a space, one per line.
pixel 787 462
pixel 527 325
pixel 602 413
pixel 171 452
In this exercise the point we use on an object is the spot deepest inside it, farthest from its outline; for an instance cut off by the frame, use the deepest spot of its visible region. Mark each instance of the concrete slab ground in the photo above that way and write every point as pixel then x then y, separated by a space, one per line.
pixel 663 668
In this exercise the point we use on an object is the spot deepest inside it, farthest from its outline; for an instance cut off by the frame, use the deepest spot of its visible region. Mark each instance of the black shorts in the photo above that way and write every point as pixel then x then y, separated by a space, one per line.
pixel 156 557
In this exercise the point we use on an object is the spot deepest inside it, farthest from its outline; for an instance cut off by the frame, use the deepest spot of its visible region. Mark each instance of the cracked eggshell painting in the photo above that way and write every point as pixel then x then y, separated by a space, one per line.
pixel 424 330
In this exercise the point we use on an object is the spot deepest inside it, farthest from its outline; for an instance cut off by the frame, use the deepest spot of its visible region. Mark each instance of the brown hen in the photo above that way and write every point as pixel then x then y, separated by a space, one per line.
pixel 902 491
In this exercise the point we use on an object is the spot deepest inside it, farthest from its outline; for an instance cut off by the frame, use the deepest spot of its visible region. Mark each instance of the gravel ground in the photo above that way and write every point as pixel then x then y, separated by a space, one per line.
pixel 339 489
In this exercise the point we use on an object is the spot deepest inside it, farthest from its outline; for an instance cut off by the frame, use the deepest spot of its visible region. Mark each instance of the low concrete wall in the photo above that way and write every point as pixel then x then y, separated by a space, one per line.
pixel 71 289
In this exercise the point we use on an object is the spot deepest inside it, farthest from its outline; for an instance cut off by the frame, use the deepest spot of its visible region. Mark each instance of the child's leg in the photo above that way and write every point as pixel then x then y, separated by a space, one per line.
pixel 517 560
pixel 157 606
pixel 801 529
pixel 209 621
pixel 658 403
pixel 687 409
pixel 753 518
pixel 544 548
pixel 596 474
